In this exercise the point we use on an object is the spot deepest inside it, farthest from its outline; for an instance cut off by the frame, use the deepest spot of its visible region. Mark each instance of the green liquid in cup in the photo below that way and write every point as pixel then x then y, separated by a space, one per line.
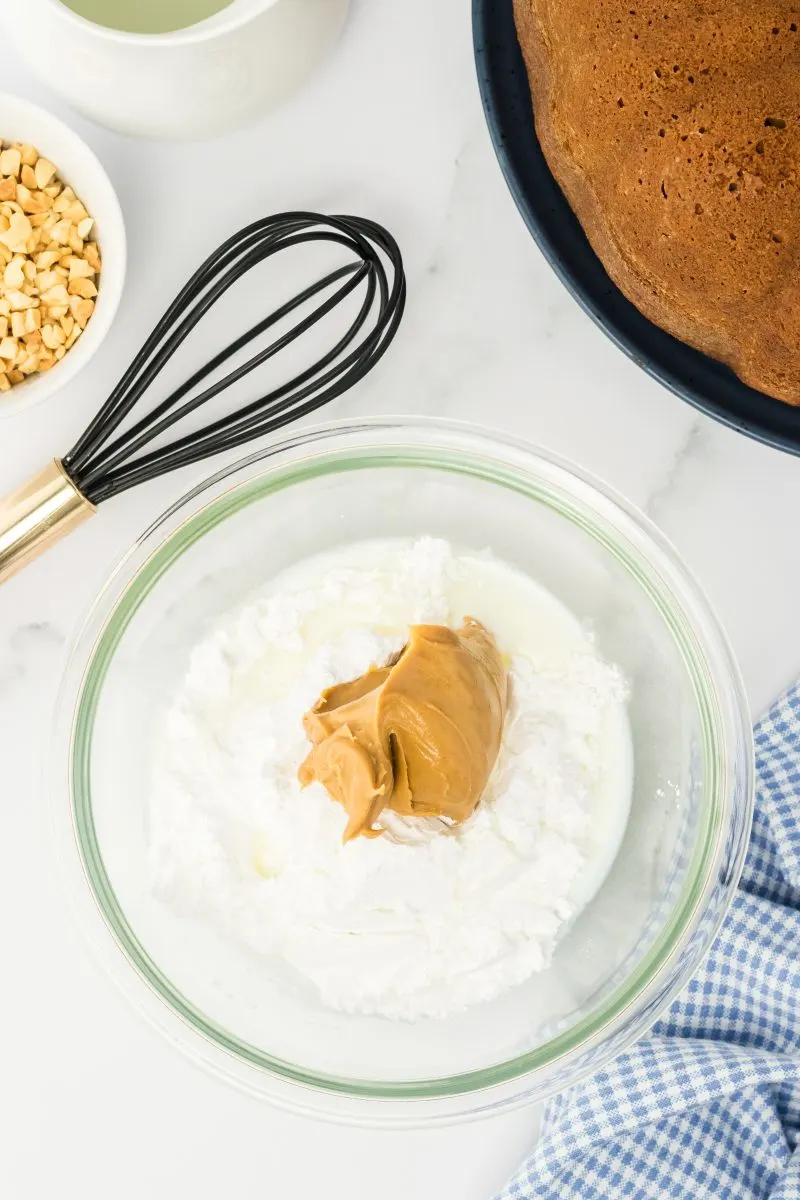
pixel 146 16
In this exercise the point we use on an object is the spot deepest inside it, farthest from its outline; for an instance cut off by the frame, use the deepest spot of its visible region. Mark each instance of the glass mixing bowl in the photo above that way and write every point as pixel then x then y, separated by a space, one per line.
pixel 627 954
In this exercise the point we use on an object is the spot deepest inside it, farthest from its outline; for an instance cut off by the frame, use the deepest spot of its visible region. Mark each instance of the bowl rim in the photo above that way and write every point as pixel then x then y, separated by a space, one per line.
pixel 728 750
pixel 41 387
pixel 198 33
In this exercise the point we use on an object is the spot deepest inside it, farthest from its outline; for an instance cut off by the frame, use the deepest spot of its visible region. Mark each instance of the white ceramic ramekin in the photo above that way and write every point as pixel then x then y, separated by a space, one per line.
pixel 196 82
pixel 77 165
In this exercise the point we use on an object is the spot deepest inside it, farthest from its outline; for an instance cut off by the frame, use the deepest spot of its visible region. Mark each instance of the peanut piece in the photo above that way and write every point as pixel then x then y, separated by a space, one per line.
pixel 18 232
pixel 44 172
pixel 81 309
pixel 10 161
pixel 14 276
pixel 48 267
pixel 82 287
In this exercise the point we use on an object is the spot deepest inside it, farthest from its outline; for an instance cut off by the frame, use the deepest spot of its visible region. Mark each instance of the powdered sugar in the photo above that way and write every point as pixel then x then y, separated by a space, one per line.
pixel 418 922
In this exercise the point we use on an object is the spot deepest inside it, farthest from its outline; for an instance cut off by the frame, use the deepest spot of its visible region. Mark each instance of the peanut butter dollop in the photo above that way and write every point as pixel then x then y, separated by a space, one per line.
pixel 419 736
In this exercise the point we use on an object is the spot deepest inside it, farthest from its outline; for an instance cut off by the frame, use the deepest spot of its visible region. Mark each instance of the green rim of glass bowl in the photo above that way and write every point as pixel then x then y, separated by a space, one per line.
pixel 160 561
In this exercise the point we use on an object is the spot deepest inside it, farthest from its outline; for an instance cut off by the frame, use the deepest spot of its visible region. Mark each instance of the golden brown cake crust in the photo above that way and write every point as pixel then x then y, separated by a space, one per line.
pixel 673 129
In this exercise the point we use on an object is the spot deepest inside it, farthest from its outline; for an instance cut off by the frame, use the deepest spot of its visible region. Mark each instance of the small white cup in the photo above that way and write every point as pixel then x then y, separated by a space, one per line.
pixel 21 121
pixel 196 82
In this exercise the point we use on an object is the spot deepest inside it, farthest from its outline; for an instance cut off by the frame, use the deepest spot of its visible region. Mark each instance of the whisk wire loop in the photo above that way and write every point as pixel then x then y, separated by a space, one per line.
pixel 164 415
pixel 102 465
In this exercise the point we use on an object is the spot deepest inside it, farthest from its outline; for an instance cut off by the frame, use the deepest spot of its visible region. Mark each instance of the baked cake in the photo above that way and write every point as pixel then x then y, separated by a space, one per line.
pixel 674 131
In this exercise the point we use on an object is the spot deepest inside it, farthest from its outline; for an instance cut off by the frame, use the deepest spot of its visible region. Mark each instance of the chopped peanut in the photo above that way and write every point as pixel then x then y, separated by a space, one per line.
pixel 10 162
pixel 78 267
pixel 81 309
pixel 82 287
pixel 48 266
pixel 14 276
pixel 44 172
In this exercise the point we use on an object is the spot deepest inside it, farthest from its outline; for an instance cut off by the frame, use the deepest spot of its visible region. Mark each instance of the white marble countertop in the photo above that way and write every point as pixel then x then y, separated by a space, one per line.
pixel 96 1105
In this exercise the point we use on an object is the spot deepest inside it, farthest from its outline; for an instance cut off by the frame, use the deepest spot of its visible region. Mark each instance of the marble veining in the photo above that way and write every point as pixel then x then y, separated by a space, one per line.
pixel 690 446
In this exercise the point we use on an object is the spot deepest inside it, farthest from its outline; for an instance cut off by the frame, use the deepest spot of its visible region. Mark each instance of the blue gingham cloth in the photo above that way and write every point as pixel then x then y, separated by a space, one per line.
pixel 707 1106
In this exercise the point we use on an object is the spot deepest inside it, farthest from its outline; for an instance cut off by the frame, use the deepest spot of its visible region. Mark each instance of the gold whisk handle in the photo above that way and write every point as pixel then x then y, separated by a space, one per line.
pixel 38 514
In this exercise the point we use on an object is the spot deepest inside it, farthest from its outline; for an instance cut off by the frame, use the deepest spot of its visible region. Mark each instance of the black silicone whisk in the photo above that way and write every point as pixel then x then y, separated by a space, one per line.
pixel 120 450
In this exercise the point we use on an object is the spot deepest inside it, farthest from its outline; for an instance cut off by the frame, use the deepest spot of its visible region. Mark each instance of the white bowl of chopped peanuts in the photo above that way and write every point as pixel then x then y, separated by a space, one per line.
pixel 62 253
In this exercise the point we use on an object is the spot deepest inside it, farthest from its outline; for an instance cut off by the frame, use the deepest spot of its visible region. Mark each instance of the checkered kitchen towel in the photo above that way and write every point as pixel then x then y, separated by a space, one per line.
pixel 708 1104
